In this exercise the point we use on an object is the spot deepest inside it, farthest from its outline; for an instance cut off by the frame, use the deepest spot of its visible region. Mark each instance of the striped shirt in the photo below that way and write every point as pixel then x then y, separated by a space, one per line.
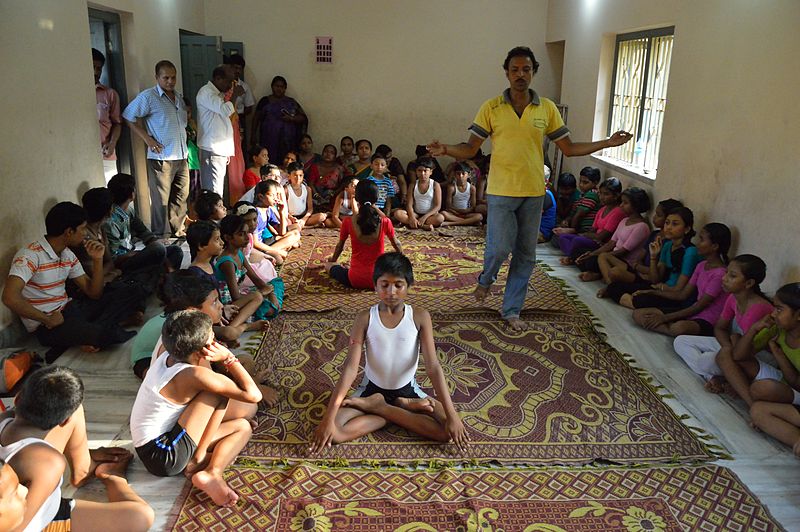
pixel 45 274
pixel 385 190
pixel 164 119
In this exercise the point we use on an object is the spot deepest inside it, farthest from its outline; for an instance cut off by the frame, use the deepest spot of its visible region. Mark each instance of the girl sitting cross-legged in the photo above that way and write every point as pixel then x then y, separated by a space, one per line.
pixel 605 222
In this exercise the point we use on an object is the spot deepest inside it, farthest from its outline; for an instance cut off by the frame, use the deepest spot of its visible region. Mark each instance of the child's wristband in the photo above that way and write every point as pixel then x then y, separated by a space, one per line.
pixel 230 361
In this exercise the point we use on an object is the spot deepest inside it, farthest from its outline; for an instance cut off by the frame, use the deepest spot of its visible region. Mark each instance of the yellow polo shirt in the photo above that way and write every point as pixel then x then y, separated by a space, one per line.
pixel 517 167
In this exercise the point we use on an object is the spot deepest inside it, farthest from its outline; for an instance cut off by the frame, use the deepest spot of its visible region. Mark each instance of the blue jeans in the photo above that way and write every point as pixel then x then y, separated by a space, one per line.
pixel 512 226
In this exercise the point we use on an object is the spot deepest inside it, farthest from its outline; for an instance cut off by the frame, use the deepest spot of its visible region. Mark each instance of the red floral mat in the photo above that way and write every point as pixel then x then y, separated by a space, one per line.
pixel 556 393
pixel 633 500
pixel 446 269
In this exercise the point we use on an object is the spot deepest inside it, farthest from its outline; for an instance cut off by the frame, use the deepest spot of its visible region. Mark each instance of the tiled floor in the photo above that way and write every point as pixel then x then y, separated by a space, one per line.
pixel 765 466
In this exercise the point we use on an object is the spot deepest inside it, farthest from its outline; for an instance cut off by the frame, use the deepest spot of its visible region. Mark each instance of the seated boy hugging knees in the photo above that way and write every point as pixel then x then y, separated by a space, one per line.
pixel 45 432
pixel 394 334
pixel 184 411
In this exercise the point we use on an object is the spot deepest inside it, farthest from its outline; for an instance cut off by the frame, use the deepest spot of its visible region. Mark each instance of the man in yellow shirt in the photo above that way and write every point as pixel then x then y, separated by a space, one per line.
pixel 517 121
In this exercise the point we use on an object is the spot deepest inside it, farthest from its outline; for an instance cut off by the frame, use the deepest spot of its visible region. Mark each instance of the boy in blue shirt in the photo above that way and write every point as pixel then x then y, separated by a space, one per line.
pixel 384 182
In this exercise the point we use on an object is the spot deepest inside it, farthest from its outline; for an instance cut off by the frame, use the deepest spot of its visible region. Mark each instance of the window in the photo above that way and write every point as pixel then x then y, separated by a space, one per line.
pixel 639 95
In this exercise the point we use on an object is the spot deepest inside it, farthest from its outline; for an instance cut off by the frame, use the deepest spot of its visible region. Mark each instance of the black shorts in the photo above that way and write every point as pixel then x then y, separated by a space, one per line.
pixel 409 391
pixel 706 328
pixel 141 366
pixel 167 455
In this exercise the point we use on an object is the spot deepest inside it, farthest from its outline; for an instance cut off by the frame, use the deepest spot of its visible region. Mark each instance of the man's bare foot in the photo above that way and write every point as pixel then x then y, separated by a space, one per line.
pixel 365 404
pixel 589 276
pixel 90 349
pixel 715 385
pixel 480 293
pixel 269 395
pixel 516 324
pixel 602 292
pixel 107 469
pixel 422 406
pixel 566 261
pixel 215 487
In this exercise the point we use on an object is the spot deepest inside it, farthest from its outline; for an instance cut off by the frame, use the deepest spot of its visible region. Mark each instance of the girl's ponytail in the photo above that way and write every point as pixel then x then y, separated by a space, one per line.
pixel 368 217
pixel 720 235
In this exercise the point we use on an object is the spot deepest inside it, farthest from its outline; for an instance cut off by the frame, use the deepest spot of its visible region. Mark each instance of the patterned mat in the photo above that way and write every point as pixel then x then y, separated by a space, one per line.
pixel 556 393
pixel 445 271
pixel 632 500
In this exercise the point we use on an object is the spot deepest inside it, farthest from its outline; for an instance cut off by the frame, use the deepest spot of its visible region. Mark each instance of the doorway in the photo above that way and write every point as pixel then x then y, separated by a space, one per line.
pixel 105 31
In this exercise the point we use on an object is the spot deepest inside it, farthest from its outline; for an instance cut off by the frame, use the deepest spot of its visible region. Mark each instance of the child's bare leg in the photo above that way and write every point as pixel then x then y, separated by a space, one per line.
pixel 680 328
pixel 422 424
pixel 247 304
pixel 467 219
pixel 716 384
pixel 626 301
pixel 230 438
pixel 125 510
pixel 772 391
pixel 352 424
pixel 739 373
pixel 588 277
pixel 401 216
pixel 640 315
pixel 229 334
pixel 201 420
pixel 434 220
pixel 779 420
pixel 318 218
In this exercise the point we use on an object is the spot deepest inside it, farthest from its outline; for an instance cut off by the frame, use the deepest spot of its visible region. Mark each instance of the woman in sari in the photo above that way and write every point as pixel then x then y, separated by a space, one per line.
pixel 362 168
pixel 279 120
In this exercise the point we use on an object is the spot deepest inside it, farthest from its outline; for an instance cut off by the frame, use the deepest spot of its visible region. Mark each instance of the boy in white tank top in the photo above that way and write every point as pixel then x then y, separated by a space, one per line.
pixel 37 440
pixel 461 200
pixel 393 333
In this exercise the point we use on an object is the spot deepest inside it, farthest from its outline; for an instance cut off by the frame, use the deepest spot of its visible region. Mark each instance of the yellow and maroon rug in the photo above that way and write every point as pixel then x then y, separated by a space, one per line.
pixel 557 393
pixel 306 498
pixel 446 269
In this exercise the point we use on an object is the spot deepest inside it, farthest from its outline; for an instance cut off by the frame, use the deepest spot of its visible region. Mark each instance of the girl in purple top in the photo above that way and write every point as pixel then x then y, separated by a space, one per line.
pixel 626 242
pixel 705 286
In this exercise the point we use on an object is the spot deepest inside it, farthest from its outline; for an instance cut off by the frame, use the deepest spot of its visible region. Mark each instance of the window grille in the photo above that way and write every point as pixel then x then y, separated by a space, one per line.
pixel 639 95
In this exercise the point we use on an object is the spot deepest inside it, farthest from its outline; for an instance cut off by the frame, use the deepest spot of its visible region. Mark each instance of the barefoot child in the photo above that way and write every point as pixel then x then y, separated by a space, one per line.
pixel 744 307
pixel 424 202
pixel 606 220
pixel 461 200
pixel 366 232
pixel 755 380
pixel 273 235
pixel 704 288
pixel 345 203
pixel 48 420
pixel 394 334
pixel 263 264
pixel 299 200
pixel 184 410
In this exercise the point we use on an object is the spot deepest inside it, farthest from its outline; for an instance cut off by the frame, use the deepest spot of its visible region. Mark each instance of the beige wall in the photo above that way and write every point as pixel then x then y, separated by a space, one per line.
pixel 403 72
pixel 49 140
pixel 732 122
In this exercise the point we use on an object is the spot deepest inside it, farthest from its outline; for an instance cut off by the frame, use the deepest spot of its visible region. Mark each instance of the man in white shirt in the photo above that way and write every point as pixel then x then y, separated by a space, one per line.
pixel 215 129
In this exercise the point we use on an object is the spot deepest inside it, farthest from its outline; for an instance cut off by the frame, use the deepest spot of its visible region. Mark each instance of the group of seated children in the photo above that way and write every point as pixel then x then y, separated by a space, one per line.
pixel 726 329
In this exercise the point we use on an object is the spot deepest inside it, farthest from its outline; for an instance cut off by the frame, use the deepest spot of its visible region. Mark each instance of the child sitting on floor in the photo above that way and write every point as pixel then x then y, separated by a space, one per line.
pixel 394 333
pixel 605 222
pixel 581 215
pixel 704 287
pixel 744 307
pixel 396 172
pixel 299 200
pixel 756 380
pixel 184 409
pixel 461 199
pixel 262 263
pixel 385 188
pixel 366 231
pixel 345 203
pixel 45 432
pixel 568 194
pixel 549 210
pixel 626 242
pixel 257 158
pixel 272 233
pixel 209 206
pixel 231 268
pixel 424 201
pixel 615 270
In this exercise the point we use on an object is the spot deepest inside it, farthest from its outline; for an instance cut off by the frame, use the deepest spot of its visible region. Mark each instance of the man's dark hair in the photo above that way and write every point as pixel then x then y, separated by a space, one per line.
pixel 164 64
pixel 199 234
pixel 567 180
pixel 97 202
pixel 185 332
pixel 205 204
pixel 183 289
pixel 49 396
pixel 63 216
pixel 521 51
pixel 122 187
pixel 221 72
pixel 234 59
pixel 394 264
pixel 97 55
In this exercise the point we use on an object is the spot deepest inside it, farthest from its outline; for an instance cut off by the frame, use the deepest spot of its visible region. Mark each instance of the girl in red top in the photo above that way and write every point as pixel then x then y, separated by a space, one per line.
pixel 366 231
pixel 257 158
